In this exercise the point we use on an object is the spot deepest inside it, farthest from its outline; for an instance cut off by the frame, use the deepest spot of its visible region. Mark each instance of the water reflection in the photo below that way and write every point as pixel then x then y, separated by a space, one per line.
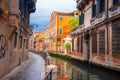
pixel 74 70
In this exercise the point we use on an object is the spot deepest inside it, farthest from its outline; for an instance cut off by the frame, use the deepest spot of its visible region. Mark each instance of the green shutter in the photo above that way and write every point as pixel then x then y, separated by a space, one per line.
pixel 60 31
pixel 60 18
pixel 82 21
pixel 79 20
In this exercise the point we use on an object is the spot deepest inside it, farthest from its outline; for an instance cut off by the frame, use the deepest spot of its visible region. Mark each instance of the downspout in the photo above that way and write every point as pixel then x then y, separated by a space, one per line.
pixel 106 14
pixel 107 57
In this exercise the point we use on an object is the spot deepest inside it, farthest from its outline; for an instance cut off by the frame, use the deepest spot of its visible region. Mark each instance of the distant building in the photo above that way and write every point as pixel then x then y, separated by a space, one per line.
pixel 15 32
pixel 49 38
pixel 38 43
pixel 98 40
pixel 31 42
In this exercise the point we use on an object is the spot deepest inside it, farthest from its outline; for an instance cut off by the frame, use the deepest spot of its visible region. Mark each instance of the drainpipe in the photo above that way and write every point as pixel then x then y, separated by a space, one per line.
pixel 107 29
pixel 107 2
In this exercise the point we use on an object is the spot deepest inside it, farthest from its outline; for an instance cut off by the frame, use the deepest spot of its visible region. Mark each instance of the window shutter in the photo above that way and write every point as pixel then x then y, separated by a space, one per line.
pixel 72 44
pixel 60 31
pixel 115 1
pixel 79 20
pixel 93 11
pixel 60 18
pixel 15 39
pixel 82 18
pixel 102 6
pixel 98 7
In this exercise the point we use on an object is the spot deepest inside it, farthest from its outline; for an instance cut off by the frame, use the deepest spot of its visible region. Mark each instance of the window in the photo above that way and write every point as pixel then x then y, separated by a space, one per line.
pixel 94 42
pixel 102 41
pixel 15 39
pixel 116 40
pixel 61 18
pixel 23 8
pixel 78 44
pixel 100 6
pixel 93 10
pixel 72 44
pixel 81 19
pixel 60 32
pixel 76 13
pixel 21 38
pixel 26 43
pixel 34 44
pixel 58 39
pixel 81 48
pixel 115 1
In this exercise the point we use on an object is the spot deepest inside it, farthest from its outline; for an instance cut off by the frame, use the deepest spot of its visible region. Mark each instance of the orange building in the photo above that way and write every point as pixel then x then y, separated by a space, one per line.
pixel 64 27
pixel 58 29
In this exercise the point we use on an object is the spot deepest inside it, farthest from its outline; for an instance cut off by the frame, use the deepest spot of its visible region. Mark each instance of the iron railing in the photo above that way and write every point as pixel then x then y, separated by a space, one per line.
pixel 48 75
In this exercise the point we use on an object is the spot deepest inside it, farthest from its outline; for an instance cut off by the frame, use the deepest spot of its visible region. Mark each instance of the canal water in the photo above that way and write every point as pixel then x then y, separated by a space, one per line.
pixel 70 69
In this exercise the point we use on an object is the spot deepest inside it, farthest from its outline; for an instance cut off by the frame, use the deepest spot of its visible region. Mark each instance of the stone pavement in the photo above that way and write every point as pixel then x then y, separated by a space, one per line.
pixel 33 69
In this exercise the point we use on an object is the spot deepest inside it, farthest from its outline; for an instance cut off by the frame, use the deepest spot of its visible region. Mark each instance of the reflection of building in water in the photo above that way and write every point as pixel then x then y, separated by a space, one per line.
pixel 78 71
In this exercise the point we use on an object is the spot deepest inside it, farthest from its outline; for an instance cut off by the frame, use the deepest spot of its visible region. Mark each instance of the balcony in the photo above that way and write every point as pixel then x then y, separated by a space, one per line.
pixel 76 31
pixel 13 19
pixel 93 21
pixel 31 5
pixel 114 11
pixel 98 19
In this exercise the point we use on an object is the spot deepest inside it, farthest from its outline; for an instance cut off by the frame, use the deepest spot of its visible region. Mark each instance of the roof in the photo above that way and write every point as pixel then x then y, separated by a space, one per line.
pixel 64 14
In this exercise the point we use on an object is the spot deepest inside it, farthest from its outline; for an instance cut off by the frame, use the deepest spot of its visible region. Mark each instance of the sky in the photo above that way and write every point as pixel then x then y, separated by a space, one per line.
pixel 40 19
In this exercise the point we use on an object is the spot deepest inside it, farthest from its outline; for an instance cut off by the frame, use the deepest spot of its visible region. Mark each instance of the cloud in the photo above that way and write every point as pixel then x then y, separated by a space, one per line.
pixel 46 7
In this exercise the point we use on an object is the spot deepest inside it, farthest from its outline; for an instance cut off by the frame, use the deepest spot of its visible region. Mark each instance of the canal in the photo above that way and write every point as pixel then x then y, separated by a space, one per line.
pixel 70 69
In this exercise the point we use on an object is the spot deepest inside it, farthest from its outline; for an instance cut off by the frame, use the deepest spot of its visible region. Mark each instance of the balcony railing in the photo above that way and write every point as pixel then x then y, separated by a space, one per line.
pixel 13 20
pixel 114 11
pixel 93 21
pixel 98 19
pixel 48 75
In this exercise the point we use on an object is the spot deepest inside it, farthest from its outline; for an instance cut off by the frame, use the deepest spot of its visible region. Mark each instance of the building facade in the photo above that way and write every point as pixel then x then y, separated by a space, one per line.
pixel 97 38
pixel 59 28
pixel 15 32
pixel 38 42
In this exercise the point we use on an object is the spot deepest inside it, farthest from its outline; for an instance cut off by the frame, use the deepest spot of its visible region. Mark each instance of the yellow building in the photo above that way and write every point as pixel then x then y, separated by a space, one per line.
pixel 61 26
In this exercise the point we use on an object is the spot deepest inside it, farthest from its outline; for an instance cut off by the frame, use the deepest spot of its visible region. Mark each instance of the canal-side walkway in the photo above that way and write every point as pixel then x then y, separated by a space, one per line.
pixel 74 56
pixel 33 69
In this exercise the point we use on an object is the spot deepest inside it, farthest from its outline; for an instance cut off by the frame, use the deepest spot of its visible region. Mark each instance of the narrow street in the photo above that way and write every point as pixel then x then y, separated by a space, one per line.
pixel 33 69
